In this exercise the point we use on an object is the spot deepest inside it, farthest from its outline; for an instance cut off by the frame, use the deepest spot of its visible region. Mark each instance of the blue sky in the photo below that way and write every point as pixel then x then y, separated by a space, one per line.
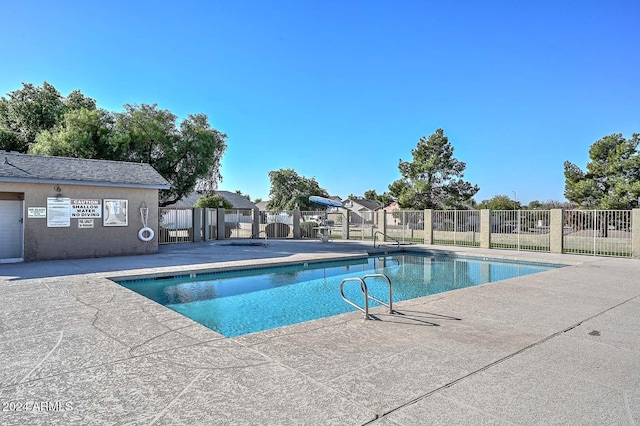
pixel 341 90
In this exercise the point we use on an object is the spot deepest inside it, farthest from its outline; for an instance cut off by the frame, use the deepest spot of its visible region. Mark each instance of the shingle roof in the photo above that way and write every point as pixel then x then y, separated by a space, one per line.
pixel 238 201
pixel 367 204
pixel 26 168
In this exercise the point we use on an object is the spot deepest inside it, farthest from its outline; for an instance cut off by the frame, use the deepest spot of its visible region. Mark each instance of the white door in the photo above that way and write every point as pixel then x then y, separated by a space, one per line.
pixel 10 231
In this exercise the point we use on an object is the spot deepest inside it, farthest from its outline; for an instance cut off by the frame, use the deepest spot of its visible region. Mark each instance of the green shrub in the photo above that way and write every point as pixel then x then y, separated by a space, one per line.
pixel 213 201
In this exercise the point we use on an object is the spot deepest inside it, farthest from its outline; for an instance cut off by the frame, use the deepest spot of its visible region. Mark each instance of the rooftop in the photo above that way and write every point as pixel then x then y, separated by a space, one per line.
pixel 15 167
pixel 238 201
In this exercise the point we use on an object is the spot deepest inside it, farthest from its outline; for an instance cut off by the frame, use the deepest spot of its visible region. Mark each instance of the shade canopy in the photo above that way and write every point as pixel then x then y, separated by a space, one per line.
pixel 325 201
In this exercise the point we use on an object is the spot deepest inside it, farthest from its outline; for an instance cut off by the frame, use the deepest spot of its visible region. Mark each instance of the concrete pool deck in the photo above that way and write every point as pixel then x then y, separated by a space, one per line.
pixel 557 347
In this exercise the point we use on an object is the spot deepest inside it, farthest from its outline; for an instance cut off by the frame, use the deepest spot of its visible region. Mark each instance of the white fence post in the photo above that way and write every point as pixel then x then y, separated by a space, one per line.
pixel 428 226
pixel 485 228
pixel 635 233
pixel 221 224
pixel 255 223
pixel 296 224
pixel 556 231
pixel 382 222
pixel 198 225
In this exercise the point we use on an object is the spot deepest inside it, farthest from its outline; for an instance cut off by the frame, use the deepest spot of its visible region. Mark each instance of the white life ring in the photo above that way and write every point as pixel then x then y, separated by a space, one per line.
pixel 146 230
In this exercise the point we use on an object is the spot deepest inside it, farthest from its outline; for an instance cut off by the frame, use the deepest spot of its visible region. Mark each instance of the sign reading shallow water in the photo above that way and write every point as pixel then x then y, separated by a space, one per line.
pixel 86 209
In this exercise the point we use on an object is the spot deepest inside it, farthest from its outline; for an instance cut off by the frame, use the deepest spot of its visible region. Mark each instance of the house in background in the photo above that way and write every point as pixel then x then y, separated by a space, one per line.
pixel 69 208
pixel 179 215
pixel 362 210
pixel 238 201
pixel 262 206
pixel 393 206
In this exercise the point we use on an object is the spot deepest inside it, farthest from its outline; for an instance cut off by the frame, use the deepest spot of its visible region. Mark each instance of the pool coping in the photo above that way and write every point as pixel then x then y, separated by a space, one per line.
pixel 212 273
pixel 239 265
pixel 72 335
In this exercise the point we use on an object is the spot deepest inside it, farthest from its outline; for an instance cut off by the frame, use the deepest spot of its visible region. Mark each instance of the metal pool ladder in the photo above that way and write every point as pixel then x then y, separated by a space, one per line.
pixel 367 296
pixel 384 238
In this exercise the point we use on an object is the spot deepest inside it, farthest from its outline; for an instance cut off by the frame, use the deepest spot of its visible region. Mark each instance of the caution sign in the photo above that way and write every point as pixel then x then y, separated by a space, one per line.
pixel 86 209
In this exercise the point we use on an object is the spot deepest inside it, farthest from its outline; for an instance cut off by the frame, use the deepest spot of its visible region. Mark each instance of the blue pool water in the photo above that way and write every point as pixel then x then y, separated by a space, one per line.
pixel 241 302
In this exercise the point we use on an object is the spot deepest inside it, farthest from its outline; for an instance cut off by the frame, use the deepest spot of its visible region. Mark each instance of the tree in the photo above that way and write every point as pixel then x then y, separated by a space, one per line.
pixel 434 178
pixel 213 201
pixel 550 204
pixel 370 194
pixel 385 198
pixel 534 205
pixel 186 155
pixel 81 133
pixel 500 202
pixel 290 190
pixel 556 204
pixel 183 155
pixel 26 112
pixel 31 110
pixel 76 100
pixel 39 120
pixel 612 178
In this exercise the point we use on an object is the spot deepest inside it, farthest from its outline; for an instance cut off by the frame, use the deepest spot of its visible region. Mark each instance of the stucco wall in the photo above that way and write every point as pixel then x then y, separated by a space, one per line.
pixel 44 243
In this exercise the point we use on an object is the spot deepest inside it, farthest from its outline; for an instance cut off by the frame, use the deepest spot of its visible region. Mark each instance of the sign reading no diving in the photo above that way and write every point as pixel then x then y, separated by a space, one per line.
pixel 86 209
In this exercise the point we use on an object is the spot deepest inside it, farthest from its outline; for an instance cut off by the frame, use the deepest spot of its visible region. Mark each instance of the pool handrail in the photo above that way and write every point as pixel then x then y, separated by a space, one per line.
pixel 367 296
pixel 363 287
pixel 384 239
pixel 265 237
pixel 388 305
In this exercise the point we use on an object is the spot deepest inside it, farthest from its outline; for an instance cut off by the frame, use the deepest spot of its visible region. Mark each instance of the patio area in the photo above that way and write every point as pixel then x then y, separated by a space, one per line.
pixel 557 347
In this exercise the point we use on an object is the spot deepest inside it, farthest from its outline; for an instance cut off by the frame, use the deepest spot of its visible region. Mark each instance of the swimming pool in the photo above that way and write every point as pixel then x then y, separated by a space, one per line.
pixel 245 301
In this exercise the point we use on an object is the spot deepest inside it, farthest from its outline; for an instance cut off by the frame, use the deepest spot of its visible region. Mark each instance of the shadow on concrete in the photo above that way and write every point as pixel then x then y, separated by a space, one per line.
pixel 408 317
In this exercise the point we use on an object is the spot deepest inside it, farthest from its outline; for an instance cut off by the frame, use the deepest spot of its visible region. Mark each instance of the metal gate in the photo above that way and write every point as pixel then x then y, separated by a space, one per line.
pixel 11 249
pixel 175 225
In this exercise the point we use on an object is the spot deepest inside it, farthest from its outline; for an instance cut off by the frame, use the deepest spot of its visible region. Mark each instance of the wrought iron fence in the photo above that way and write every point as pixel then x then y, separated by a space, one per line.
pixel 239 223
pixel 598 232
pixel 211 220
pixel 406 226
pixel 335 221
pixel 175 225
pixel 456 227
pixel 362 224
pixel 311 222
pixel 277 224
pixel 592 232
pixel 521 229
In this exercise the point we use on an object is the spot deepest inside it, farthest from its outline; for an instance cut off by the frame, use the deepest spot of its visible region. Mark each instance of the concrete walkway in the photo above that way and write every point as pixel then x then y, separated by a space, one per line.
pixel 558 347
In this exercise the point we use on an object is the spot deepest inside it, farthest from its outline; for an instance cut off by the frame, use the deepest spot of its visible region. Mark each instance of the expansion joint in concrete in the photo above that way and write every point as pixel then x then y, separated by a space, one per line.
pixel 499 361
